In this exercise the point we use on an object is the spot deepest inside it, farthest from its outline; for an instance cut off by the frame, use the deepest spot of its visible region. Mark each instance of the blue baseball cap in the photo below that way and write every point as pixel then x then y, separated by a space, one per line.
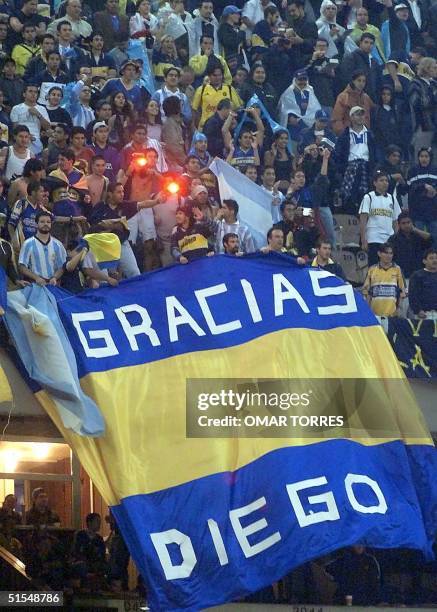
pixel 231 9
pixel 322 115
pixel 301 74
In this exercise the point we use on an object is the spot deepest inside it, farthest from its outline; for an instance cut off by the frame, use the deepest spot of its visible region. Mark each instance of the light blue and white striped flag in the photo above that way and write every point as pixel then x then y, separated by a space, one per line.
pixel 255 204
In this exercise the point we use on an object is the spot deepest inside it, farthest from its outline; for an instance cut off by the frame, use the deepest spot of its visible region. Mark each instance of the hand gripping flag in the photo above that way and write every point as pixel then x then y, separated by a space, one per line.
pixel 255 101
pixel 254 202
pixel 106 248
pixel 209 518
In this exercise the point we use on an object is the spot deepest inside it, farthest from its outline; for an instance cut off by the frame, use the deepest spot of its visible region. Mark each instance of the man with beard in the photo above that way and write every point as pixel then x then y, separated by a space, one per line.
pixel 42 257
pixel 231 244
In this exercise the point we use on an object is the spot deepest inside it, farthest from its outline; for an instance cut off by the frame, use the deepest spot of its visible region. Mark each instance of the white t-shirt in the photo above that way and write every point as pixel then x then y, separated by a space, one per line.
pixel 20 114
pixel 358 145
pixel 382 211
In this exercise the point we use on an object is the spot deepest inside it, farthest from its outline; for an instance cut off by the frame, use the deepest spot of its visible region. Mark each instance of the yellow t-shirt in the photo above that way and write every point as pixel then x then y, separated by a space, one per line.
pixel 383 287
pixel 207 98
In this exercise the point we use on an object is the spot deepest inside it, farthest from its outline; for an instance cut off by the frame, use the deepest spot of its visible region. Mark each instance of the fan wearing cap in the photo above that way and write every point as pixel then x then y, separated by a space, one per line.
pixel 189 239
pixel 127 84
pixel 298 105
pixel 394 31
pixel 199 149
pixel 199 198
pixel 355 152
pixel 100 147
pixel 314 134
pixel 231 37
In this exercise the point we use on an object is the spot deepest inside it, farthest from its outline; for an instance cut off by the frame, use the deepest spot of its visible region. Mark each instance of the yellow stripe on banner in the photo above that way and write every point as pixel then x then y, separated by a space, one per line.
pixel 5 389
pixel 145 448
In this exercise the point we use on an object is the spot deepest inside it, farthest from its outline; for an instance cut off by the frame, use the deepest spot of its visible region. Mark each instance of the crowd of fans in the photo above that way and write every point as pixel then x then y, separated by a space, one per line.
pixel 112 112
pixel 85 562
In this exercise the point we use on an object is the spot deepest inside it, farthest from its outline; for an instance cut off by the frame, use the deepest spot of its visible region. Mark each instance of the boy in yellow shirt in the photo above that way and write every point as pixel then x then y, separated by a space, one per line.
pixel 384 286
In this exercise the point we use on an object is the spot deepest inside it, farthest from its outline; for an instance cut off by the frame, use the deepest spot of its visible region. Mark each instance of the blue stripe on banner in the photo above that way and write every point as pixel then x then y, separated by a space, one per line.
pixel 212 303
pixel 225 535
pixel 113 263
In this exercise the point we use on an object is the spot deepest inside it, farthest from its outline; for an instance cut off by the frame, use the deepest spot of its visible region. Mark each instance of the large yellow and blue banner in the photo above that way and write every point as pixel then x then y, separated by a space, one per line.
pixel 208 520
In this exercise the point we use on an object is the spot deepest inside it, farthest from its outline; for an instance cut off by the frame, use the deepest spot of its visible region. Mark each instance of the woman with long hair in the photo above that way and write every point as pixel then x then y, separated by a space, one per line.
pixel 152 118
pixel 352 95
pixel 257 84
pixel 122 118
pixel 127 83
pixel 279 156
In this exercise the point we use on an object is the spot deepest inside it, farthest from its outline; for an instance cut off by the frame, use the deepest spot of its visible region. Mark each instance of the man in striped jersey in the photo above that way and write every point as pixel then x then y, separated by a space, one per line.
pixel 42 257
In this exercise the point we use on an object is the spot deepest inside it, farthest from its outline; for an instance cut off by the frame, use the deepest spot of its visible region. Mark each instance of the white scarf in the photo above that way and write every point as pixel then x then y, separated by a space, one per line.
pixel 287 104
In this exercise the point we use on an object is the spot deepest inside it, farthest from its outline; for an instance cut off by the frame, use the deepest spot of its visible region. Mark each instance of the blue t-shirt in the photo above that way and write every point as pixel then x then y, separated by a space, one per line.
pixel 134 95
pixel 24 212
pixel 112 159
pixel 67 208
pixel 243 158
